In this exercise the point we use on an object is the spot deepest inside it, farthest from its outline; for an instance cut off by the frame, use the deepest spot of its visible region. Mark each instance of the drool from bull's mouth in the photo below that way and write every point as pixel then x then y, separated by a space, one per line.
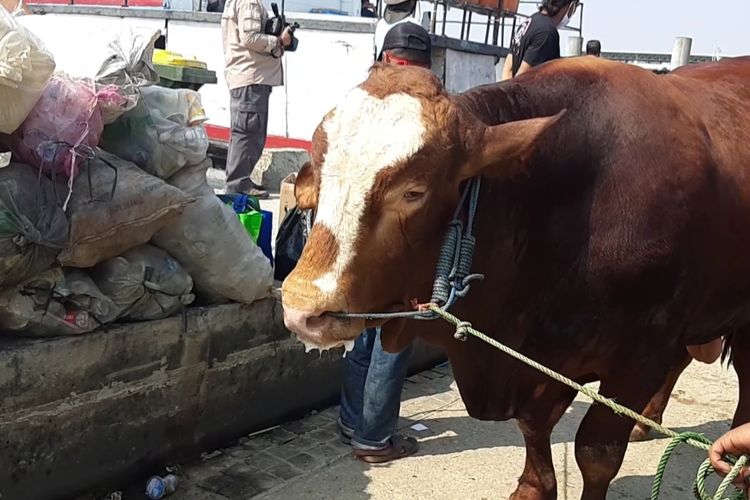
pixel 309 347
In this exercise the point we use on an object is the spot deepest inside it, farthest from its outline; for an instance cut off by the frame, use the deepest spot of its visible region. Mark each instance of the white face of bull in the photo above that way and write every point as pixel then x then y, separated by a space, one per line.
pixel 366 136
pixel 385 174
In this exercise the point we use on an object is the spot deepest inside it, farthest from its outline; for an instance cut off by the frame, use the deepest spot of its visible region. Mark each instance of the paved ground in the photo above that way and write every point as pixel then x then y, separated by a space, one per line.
pixel 459 457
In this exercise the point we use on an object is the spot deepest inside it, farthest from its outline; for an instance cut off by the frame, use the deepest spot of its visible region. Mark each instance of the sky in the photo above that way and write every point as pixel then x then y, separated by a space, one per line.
pixel 624 25
pixel 652 25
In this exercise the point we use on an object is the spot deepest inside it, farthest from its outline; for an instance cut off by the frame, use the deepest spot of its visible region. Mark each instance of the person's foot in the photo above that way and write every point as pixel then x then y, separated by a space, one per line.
pixel 254 190
pixel 345 438
pixel 398 447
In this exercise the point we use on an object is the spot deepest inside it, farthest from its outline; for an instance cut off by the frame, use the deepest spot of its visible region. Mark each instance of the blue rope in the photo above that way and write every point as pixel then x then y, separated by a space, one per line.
pixel 453 274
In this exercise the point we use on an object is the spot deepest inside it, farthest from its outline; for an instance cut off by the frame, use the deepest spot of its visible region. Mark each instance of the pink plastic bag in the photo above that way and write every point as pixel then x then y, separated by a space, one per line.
pixel 65 125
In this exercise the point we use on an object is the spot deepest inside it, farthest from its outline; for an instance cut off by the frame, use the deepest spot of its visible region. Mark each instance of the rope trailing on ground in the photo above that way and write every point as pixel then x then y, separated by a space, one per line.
pixel 693 439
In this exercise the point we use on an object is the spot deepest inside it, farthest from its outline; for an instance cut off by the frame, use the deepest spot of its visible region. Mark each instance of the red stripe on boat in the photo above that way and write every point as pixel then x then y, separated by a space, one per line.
pixel 217 133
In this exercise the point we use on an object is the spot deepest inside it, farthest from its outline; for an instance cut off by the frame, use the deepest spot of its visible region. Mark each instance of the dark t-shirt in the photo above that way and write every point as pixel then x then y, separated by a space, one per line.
pixel 536 41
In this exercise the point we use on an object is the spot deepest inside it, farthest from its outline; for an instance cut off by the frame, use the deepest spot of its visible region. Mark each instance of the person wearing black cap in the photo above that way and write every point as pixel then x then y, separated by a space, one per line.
pixel 407 44
pixel 373 378
pixel 395 13
pixel 537 41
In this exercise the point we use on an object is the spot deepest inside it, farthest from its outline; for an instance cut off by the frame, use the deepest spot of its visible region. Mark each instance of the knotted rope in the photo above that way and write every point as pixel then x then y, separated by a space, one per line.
pixel 693 439
pixel 453 274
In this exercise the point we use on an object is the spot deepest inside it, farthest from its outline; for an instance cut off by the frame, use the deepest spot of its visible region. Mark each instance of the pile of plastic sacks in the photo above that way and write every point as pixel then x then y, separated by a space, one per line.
pixel 105 211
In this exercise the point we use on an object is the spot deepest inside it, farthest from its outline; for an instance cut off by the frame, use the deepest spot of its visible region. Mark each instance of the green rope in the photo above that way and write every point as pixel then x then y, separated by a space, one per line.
pixel 693 439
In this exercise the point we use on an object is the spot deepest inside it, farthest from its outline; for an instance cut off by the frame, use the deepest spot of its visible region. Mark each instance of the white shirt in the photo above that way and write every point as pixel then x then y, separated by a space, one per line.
pixel 382 27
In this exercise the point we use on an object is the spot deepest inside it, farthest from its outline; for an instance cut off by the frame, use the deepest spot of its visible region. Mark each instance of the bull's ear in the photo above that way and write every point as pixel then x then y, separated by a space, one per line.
pixel 306 187
pixel 504 150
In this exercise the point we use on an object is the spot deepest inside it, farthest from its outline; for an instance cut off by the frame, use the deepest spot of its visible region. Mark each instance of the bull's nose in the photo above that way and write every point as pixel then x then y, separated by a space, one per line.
pixel 305 323
pixel 320 330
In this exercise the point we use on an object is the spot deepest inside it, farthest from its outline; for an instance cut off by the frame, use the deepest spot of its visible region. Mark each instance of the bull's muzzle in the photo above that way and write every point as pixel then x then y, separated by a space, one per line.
pixel 307 315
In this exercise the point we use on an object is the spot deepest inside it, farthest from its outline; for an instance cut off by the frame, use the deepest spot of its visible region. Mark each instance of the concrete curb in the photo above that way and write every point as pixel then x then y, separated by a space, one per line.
pixel 98 410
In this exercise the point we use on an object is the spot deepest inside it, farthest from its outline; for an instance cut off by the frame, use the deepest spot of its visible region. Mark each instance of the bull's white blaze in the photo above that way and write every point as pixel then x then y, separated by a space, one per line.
pixel 366 135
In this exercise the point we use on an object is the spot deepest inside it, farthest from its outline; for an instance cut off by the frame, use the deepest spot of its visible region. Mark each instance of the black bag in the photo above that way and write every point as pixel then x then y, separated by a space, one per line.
pixel 290 241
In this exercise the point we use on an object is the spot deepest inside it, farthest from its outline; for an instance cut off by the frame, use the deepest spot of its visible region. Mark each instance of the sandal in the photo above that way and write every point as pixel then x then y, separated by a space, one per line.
pixel 398 447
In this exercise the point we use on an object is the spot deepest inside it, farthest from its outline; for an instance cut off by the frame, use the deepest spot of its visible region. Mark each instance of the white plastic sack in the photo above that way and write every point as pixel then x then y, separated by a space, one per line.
pixel 145 283
pixel 25 68
pixel 129 66
pixel 213 246
pixel 162 134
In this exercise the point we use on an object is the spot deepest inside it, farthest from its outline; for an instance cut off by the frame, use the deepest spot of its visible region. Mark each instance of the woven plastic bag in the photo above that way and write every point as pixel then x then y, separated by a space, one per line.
pixel 25 68
pixel 115 206
pixel 128 66
pixel 33 227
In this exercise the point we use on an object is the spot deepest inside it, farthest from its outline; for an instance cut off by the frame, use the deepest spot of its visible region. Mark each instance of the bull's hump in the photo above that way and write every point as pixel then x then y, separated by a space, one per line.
pixel 366 136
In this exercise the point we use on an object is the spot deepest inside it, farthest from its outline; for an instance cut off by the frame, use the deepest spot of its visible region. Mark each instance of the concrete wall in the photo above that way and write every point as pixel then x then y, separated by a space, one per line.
pixel 96 410
pixel 464 70
pixel 333 57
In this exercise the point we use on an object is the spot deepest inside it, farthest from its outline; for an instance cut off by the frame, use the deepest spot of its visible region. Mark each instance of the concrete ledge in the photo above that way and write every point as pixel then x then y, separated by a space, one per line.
pixel 273 166
pixel 276 164
pixel 96 410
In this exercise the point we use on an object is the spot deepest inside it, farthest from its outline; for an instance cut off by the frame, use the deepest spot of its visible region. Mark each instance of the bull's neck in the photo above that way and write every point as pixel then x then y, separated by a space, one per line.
pixel 503 102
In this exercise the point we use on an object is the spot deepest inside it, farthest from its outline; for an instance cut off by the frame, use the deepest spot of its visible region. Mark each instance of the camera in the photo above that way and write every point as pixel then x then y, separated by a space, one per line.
pixel 276 25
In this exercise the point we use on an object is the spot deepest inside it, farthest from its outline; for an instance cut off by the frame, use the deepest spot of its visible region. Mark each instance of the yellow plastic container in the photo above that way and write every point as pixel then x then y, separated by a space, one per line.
pixel 169 58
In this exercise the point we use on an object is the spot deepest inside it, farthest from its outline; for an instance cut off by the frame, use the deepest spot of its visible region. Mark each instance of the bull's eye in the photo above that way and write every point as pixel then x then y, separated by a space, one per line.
pixel 413 196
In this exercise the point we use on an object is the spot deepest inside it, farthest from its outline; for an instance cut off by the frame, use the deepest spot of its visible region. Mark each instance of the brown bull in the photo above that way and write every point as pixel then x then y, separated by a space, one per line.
pixel 611 236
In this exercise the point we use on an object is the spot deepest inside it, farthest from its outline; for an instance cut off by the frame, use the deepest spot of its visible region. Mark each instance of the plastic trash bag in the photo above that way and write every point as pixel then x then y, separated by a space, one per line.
pixel 145 283
pixel 257 222
pixel 290 241
pixel 25 68
pixel 162 134
pixel 213 246
pixel 46 306
pixel 79 290
pixel 33 227
pixel 65 125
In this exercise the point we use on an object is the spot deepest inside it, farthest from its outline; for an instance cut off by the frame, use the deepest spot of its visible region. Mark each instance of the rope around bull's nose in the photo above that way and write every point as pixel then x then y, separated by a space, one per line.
pixel 693 439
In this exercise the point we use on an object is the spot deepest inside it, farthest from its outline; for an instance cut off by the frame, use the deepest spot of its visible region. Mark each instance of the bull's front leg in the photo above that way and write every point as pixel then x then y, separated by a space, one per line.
pixel 538 482
pixel 602 437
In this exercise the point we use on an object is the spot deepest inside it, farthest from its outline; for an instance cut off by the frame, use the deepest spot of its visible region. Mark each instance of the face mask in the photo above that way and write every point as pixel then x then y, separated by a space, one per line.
pixel 566 20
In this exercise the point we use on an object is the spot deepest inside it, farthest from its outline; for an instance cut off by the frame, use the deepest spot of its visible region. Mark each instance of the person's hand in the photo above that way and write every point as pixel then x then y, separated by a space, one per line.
pixel 735 442
pixel 286 37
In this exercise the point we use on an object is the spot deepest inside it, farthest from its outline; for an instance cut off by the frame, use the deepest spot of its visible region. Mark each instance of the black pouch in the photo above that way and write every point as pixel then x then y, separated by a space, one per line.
pixel 290 241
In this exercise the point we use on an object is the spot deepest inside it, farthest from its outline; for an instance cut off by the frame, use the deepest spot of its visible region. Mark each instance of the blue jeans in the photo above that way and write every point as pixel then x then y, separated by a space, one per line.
pixel 371 393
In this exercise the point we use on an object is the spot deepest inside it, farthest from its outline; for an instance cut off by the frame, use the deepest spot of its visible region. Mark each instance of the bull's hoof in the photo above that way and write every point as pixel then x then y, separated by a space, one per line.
pixel 527 492
pixel 639 433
